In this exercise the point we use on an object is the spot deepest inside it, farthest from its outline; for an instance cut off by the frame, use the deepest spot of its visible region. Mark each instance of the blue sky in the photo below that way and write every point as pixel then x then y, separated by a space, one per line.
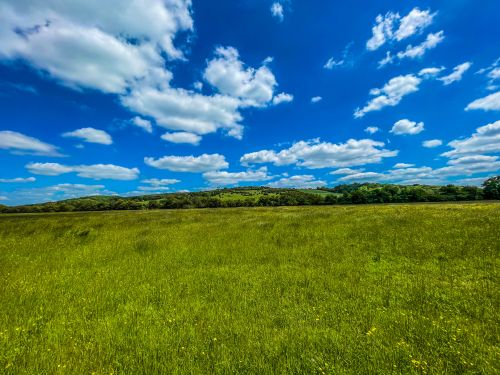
pixel 174 95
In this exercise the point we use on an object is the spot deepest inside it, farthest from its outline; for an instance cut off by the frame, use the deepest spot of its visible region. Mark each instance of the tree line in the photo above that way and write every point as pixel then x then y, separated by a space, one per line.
pixel 356 193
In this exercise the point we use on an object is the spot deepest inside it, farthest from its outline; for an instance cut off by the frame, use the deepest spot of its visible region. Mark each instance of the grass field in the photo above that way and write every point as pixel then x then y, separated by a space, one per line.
pixel 327 290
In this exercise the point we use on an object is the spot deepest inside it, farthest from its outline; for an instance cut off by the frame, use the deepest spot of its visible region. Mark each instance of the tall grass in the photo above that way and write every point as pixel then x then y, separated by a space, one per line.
pixel 328 290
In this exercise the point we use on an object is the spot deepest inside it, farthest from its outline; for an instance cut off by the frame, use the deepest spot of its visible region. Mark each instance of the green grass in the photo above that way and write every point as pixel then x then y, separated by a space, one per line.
pixel 334 290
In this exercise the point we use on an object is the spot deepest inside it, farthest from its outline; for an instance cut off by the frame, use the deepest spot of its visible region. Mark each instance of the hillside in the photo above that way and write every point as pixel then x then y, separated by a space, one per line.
pixel 266 196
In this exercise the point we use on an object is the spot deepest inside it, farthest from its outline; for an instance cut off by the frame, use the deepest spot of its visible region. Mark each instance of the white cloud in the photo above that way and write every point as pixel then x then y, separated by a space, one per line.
pixel 362 176
pixel 143 124
pixel 406 126
pixel 391 94
pixel 219 178
pixel 346 59
pixel 17 180
pixel 488 103
pixel 57 192
pixel 331 63
pixel 182 137
pixel 414 22
pixel 3 198
pixel 431 143
pixel 403 165
pixel 430 72
pixel 430 42
pixel 315 154
pixel 189 111
pixel 18 143
pixel 277 11
pixel 184 110
pixel 372 129
pixel 493 73
pixel 384 29
pixel 198 86
pixel 161 182
pixel 346 171
pixel 388 59
pixel 413 52
pixel 196 164
pixel 457 73
pixel 48 169
pixel 254 87
pixel 282 98
pixel 300 181
pixel 157 185
pixel 316 99
pixel 408 174
pixel 486 140
pixel 95 171
pixel 90 135
pixel 80 44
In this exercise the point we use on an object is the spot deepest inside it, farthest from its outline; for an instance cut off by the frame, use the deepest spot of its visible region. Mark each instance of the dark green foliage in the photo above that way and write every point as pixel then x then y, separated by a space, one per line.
pixel 356 193
pixel 492 188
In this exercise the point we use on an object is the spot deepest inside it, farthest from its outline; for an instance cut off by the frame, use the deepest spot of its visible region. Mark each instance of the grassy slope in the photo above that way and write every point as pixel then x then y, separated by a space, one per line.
pixel 363 289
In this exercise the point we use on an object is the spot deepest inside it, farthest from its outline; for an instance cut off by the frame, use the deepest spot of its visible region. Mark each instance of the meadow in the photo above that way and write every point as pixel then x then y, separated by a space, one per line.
pixel 365 289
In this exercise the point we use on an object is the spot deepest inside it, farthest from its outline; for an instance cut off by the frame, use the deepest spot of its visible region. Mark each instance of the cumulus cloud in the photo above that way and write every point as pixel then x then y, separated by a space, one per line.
pixel 277 11
pixel 90 135
pixel 182 137
pixel 409 174
pixel 488 103
pixel 382 31
pixel 315 154
pixel 143 124
pixel 419 50
pixel 485 140
pixel 299 181
pixel 157 185
pixel 160 181
pixel 282 98
pixel 183 110
pixel 56 193
pixel 431 143
pixel 195 164
pixel 403 165
pixel 413 52
pixel 391 94
pixel 316 99
pixel 346 171
pixel 18 143
pixel 430 72
pixel 414 22
pixel 17 180
pixel 457 74
pixel 95 171
pixel 406 126
pixel 219 178
pixel 392 27
pixel 372 129
pixel 81 45
pixel 227 73
pixel 493 73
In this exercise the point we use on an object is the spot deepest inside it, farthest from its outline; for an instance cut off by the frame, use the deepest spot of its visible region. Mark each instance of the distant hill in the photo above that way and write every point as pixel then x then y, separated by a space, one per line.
pixel 266 196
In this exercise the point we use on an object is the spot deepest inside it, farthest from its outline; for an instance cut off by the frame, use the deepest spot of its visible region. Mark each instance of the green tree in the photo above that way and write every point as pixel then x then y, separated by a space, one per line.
pixel 492 188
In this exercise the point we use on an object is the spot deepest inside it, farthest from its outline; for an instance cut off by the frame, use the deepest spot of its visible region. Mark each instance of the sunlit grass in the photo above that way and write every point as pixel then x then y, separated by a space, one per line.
pixel 363 289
